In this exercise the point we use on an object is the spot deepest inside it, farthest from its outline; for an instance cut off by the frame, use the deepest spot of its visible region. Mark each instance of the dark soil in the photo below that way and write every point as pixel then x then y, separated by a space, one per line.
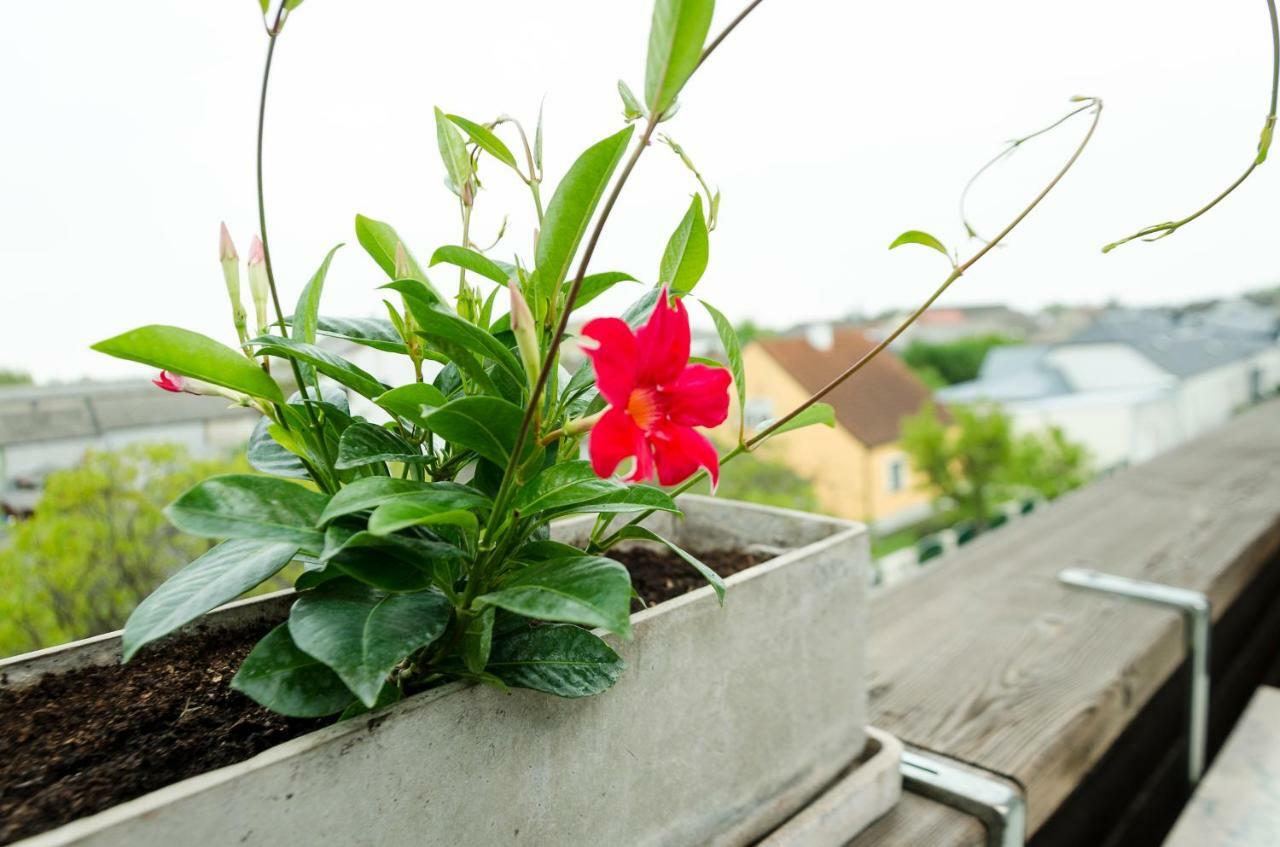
pixel 658 575
pixel 75 744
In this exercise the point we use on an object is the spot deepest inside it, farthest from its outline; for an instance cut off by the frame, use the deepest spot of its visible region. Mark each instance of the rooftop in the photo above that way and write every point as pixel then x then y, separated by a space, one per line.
pixel 1183 347
pixel 871 406
pixel 90 409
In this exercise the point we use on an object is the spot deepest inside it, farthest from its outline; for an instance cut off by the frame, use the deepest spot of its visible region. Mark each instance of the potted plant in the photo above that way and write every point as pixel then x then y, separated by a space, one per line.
pixel 460 550
pixel 460 561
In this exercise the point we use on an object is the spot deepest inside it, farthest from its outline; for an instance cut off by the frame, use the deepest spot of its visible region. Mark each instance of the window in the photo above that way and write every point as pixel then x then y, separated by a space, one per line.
pixel 896 474
pixel 758 411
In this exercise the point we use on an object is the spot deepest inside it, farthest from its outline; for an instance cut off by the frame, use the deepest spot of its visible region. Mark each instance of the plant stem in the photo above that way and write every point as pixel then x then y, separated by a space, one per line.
pixel 272 34
pixel 956 273
pixel 553 349
pixel 724 33
pixel 1164 230
pixel 262 206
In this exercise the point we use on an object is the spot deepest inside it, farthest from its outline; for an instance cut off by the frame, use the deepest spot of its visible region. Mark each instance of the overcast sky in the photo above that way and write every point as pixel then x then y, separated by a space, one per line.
pixel 829 126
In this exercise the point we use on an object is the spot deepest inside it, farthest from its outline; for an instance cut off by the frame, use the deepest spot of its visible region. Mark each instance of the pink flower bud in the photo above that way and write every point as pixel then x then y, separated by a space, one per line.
pixel 179 384
pixel 226 250
pixel 402 262
pixel 169 381
pixel 256 256
pixel 259 285
pixel 526 332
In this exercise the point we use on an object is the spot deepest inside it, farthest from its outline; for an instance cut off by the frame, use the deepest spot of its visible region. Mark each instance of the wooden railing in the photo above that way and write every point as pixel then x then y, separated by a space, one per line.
pixel 1076 696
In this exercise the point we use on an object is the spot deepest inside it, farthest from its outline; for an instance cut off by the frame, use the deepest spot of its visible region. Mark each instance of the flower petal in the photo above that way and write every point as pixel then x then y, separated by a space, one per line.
pixel 699 396
pixel 663 342
pixel 679 451
pixel 614 438
pixel 614 357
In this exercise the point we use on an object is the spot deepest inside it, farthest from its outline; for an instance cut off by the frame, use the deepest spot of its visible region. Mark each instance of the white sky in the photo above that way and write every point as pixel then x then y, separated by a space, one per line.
pixel 127 136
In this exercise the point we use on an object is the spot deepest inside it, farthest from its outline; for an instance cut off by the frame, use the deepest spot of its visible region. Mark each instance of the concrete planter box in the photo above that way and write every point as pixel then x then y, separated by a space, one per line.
pixel 726 723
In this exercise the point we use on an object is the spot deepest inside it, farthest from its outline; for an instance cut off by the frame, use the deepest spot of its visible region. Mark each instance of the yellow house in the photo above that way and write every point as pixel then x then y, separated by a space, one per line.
pixel 857 468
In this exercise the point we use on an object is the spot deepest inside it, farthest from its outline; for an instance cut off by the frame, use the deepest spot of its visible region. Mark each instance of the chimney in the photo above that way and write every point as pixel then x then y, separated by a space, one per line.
pixel 820 336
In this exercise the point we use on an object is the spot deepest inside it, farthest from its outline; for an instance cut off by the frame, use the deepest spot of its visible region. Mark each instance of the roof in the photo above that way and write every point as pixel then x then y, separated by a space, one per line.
pixel 1010 372
pixel 89 409
pixel 872 404
pixel 1182 348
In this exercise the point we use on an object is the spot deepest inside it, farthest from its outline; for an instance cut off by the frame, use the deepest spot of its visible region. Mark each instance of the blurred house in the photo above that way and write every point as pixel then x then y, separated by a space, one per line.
pixel 858 469
pixel 44 428
pixel 942 325
pixel 1136 382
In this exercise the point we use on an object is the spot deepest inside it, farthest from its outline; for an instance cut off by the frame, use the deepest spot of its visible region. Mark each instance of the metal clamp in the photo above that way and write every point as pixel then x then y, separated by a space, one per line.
pixel 1196 617
pixel 999 805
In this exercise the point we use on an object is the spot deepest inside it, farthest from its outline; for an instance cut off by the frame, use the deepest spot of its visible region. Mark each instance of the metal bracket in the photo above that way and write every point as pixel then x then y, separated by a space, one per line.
pixel 999 805
pixel 1196 617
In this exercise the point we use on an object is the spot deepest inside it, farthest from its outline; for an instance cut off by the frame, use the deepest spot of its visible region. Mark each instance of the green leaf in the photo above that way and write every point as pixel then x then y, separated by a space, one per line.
pixel 484 138
pixel 377 333
pixel 192 354
pixel 264 4
pixel 631 108
pixel 472 261
pixel 335 367
pixel 818 413
pixel 388 696
pixel 477 640
pixel 433 322
pixel 587 590
pixel 632 498
pixel 537 141
pixel 219 576
pixel 278 675
pixel 571 208
pixel 563 485
pixel 412 402
pixel 361 633
pixel 392 562
pixel 915 236
pixel 453 150
pixel 487 425
pixel 248 506
pixel 379 240
pixel 372 492
pixel 638 312
pixel 267 455
pixel 306 316
pixel 402 514
pixel 685 259
pixel 560 659
pixel 593 285
pixel 634 532
pixel 676 35
pixel 364 443
pixel 732 349
pixel 290 5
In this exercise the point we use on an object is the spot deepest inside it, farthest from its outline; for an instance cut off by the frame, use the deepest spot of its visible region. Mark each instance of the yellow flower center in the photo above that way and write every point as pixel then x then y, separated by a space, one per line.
pixel 645 407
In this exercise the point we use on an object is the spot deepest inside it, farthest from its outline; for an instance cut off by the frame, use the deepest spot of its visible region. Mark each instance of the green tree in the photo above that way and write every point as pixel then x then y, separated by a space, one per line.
pixel 1049 463
pixel 97 544
pixel 756 479
pixel 12 377
pixel 977 460
pixel 951 362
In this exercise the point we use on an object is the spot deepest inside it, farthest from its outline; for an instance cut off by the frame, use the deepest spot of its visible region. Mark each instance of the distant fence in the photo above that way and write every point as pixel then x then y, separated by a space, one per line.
pixel 906 563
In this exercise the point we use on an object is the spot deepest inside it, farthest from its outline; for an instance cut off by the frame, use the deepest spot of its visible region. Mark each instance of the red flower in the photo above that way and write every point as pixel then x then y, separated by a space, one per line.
pixel 655 398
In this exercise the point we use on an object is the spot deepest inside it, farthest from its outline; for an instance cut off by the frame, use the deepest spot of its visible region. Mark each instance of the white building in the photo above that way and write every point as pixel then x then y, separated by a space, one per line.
pixel 44 428
pixel 1136 382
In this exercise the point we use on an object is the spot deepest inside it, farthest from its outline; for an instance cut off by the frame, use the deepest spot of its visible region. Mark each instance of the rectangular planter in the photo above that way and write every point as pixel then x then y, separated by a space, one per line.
pixel 726 722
